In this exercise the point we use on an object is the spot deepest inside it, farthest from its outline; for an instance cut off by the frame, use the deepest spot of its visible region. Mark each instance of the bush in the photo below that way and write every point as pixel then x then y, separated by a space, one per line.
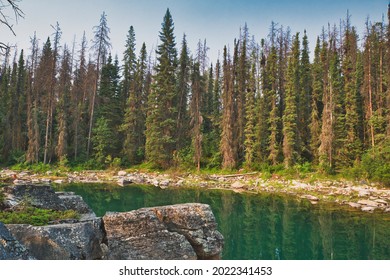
pixel 375 163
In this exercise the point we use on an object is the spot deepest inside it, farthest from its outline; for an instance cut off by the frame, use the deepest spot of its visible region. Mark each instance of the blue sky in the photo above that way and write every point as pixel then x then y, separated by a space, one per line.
pixel 218 21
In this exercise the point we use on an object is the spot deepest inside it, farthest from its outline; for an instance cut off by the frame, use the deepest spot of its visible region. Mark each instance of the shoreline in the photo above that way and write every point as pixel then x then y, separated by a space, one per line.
pixel 359 195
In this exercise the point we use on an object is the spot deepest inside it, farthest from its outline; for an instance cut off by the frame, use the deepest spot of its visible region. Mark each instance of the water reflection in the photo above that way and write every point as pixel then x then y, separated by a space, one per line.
pixel 263 226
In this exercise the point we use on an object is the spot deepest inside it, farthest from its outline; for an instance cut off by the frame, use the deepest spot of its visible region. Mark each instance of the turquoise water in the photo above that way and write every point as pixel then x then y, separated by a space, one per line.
pixel 262 226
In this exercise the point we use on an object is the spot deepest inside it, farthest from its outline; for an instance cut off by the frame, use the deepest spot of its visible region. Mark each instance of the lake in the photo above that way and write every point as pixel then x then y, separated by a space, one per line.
pixel 262 226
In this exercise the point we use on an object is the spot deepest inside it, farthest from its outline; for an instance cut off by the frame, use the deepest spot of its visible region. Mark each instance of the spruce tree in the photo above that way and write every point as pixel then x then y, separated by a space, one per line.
pixel 316 103
pixel 290 114
pixel 183 89
pixel 162 102
pixel 250 123
pixel 196 114
pixel 228 150
pixel 133 126
pixel 64 89
pixel 304 102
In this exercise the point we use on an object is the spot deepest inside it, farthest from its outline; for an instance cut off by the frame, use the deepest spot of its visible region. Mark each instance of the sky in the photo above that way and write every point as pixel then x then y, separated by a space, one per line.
pixel 217 21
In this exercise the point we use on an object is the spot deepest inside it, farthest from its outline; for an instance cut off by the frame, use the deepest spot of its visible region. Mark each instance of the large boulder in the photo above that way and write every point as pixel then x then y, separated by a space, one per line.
pixel 10 248
pixel 185 231
pixel 76 203
pixel 35 195
pixel 77 241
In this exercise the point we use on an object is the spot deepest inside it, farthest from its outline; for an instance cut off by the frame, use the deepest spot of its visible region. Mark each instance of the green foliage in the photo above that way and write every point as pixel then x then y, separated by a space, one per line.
pixel 376 163
pixel 35 216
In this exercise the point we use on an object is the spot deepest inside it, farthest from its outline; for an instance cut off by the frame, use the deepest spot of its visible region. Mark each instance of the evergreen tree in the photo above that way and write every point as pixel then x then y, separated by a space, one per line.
pixel 64 90
pixel 228 149
pixel 250 124
pixel 316 102
pixel 304 102
pixel 101 46
pixel 182 88
pixel 109 102
pixel 196 115
pixel 135 113
pixel 162 107
pixel 352 148
pixel 290 115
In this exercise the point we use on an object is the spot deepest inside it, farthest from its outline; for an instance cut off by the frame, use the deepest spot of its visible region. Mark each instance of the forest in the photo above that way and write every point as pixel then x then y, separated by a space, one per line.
pixel 267 105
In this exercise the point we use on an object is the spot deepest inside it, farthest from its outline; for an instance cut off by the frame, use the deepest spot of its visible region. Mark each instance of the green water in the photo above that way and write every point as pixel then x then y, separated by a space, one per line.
pixel 263 226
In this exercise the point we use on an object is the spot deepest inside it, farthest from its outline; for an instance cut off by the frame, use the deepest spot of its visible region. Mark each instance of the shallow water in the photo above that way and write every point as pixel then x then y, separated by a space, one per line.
pixel 262 226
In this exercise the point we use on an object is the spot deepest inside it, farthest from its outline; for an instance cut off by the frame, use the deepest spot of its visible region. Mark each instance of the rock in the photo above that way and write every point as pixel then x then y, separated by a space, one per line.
pixel 310 197
pixel 122 173
pixel 368 203
pixel 237 185
pixel 354 204
pixel 382 202
pixel 58 181
pixel 368 209
pixel 387 210
pixel 364 193
pixel 37 196
pixel 10 248
pixel 124 182
pixel 77 241
pixel 76 203
pixel 186 231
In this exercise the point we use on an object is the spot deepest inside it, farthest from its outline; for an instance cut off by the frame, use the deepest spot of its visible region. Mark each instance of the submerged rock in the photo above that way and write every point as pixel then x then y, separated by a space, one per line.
pixel 186 231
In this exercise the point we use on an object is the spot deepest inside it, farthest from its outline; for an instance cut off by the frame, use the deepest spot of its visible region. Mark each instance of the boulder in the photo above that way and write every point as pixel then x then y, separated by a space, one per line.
pixel 237 185
pixel 10 248
pixel 38 196
pixel 185 231
pixel 122 173
pixel 369 203
pixel 77 241
pixel 76 203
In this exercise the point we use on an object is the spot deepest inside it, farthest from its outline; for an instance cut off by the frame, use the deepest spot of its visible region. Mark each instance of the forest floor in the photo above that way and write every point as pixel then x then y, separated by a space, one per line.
pixel 369 197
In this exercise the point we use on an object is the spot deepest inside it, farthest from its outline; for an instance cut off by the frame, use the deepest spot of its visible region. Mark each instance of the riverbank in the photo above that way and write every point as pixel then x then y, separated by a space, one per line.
pixel 362 195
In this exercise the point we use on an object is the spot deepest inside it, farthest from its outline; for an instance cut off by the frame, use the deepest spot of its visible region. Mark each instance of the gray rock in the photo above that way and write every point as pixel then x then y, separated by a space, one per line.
pixel 10 248
pixel 122 173
pixel 237 185
pixel 368 209
pixel 76 203
pixel 38 196
pixel 77 241
pixel 354 204
pixel 186 231
pixel 368 203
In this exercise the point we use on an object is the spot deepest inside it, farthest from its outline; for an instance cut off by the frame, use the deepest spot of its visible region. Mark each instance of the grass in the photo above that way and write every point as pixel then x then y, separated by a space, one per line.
pixel 35 216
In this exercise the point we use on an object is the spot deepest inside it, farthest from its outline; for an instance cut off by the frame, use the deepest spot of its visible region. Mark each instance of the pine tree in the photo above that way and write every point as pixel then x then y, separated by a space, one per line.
pixel 109 102
pixel 316 102
pixel 351 150
pixel 182 88
pixel 228 150
pixel 33 146
pixel 129 63
pixel 304 102
pixel 290 115
pixel 101 45
pixel 196 115
pixel 162 107
pixel 135 113
pixel 250 124
pixel 64 90
pixel 79 101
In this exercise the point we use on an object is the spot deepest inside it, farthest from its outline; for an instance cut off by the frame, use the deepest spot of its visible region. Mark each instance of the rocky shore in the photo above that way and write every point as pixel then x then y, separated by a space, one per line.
pixel 175 232
pixel 361 195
